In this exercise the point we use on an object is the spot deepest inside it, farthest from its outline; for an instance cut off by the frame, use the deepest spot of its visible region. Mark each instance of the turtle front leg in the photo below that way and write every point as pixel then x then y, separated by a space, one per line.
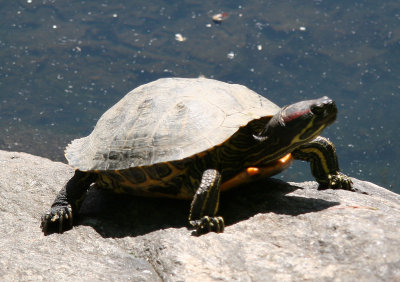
pixel 321 154
pixel 205 204
pixel 67 203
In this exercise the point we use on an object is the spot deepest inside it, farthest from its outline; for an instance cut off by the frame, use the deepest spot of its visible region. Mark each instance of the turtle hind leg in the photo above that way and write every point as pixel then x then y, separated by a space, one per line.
pixel 205 204
pixel 321 154
pixel 67 203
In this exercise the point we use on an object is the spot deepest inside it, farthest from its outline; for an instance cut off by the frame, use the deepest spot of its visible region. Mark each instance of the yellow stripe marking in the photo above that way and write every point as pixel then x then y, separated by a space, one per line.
pixel 321 156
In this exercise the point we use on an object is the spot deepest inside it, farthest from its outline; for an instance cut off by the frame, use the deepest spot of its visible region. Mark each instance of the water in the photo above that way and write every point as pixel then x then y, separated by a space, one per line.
pixel 63 63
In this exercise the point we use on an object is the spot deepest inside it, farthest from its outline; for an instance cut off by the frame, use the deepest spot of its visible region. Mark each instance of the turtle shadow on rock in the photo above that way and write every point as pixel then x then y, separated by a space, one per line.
pixel 120 215
pixel 265 196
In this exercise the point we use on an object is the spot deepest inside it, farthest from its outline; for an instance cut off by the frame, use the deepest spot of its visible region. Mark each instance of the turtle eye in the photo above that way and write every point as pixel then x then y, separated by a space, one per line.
pixel 317 109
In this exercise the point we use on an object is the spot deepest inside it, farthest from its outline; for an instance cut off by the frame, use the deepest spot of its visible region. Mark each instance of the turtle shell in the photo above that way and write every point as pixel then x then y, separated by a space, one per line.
pixel 167 120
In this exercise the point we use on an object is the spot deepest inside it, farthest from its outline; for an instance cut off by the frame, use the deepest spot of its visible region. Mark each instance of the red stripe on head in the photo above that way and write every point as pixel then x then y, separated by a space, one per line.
pixel 292 114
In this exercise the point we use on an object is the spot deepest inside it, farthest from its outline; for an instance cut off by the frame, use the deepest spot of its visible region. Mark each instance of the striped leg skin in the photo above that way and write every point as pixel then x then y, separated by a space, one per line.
pixel 205 204
pixel 321 154
pixel 67 203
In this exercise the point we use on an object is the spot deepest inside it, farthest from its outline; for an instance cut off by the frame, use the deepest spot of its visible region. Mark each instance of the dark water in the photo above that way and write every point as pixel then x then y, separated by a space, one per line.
pixel 63 63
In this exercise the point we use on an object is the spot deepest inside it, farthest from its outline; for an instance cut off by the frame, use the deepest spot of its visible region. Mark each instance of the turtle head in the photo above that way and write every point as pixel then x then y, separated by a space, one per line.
pixel 298 123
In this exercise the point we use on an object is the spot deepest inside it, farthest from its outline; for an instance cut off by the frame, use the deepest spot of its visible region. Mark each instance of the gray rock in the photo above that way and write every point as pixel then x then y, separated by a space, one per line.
pixel 275 231
pixel 28 186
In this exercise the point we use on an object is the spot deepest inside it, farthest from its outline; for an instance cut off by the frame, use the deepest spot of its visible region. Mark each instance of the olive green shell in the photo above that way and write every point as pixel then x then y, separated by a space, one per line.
pixel 167 120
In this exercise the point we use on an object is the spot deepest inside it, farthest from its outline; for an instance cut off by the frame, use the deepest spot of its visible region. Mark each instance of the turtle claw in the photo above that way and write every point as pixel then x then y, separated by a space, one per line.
pixel 59 216
pixel 208 224
pixel 339 181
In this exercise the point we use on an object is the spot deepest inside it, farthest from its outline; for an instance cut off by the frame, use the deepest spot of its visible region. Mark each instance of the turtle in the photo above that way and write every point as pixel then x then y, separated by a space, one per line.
pixel 191 138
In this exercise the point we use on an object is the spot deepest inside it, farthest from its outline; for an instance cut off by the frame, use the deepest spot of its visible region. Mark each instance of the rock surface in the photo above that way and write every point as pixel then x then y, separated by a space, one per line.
pixel 276 231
